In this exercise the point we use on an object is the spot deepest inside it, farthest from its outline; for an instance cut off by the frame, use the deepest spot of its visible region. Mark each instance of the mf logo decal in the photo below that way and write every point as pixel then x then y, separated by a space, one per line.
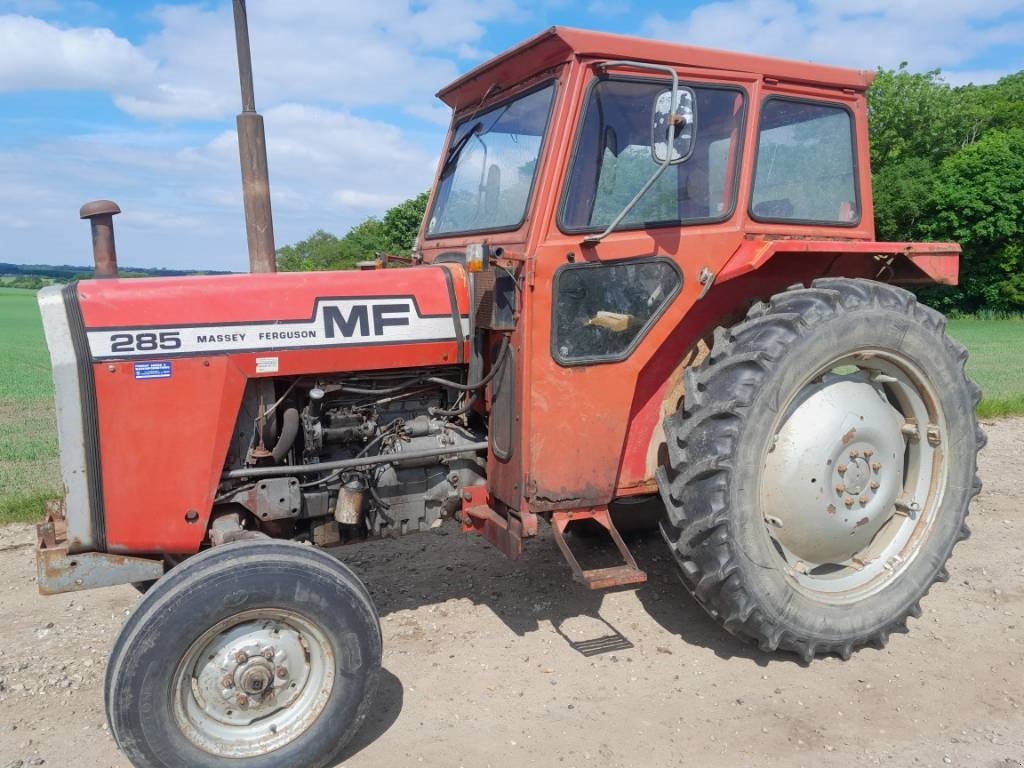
pixel 335 322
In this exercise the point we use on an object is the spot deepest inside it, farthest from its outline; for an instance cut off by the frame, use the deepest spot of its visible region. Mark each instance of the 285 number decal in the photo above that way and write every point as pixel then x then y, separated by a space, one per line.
pixel 145 342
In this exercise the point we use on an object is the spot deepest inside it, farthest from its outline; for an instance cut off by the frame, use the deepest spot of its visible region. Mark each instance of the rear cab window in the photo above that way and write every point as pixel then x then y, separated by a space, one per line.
pixel 805 171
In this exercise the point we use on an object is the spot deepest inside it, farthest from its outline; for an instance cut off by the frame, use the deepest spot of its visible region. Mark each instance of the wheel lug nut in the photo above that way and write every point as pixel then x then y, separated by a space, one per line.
pixel 876 466
pixel 241 657
pixel 874 485
pixel 269 653
pixel 854 454
pixel 282 672
pixel 868 453
pixel 848 501
pixel 841 469
pixel 241 699
pixel 228 681
pixel 863 499
pixel 840 488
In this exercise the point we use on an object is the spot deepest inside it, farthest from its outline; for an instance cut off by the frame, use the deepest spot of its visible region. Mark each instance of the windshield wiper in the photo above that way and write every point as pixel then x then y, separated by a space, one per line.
pixel 458 146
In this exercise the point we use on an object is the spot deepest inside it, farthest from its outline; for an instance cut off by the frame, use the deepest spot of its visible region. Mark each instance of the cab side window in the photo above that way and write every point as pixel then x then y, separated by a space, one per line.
pixel 805 168
pixel 613 159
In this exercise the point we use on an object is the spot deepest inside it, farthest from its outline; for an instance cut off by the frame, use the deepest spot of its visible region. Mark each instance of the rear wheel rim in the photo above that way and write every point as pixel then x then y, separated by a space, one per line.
pixel 853 477
pixel 253 683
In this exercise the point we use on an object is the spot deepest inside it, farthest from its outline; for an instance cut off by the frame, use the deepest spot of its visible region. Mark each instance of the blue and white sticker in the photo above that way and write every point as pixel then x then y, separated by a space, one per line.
pixel 160 369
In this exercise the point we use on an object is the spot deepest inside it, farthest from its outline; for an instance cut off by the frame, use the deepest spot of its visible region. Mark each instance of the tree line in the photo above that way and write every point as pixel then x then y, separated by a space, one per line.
pixel 947 163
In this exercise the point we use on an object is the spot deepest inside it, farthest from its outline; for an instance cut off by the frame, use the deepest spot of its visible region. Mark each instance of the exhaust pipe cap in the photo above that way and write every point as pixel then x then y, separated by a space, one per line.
pixel 99 208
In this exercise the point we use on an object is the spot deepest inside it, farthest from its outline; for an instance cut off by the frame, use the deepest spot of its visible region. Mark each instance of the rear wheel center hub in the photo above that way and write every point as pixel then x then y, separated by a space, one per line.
pixel 834 473
pixel 858 475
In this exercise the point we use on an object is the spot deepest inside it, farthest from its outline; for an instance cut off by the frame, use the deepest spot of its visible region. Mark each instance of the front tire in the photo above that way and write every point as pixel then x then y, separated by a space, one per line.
pixel 250 655
pixel 821 467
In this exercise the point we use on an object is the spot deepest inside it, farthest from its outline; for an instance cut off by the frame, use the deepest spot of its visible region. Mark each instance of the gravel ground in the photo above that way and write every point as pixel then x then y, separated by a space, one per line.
pixel 489 663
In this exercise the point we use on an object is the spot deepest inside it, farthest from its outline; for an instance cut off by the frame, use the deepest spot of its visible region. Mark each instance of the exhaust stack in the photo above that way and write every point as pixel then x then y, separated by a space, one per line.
pixel 100 214
pixel 252 150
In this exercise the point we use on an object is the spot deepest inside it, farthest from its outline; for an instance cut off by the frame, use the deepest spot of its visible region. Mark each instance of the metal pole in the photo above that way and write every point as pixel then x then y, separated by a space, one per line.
pixel 365 461
pixel 252 150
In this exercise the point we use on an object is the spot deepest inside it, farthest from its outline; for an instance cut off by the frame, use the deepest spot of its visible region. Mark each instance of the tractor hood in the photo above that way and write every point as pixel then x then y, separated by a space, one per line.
pixel 146 369
pixel 129 319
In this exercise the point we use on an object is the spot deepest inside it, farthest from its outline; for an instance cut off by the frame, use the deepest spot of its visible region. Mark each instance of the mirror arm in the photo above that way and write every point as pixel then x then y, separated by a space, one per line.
pixel 592 239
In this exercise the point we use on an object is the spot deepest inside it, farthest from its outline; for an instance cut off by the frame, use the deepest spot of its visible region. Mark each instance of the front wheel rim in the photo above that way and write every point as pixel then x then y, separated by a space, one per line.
pixel 253 683
pixel 853 476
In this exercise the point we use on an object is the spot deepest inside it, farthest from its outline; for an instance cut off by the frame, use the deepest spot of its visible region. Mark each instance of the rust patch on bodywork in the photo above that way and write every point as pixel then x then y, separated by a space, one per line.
pixel 58 571
pixel 848 437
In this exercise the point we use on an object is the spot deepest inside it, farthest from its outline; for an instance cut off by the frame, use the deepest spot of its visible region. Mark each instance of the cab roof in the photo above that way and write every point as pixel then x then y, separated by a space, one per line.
pixel 557 45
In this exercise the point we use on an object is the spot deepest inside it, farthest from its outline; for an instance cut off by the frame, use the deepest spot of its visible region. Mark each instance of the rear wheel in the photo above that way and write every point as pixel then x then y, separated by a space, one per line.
pixel 821 467
pixel 250 655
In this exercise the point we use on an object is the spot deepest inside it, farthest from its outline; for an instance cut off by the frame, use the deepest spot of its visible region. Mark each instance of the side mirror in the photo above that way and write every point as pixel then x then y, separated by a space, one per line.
pixel 685 120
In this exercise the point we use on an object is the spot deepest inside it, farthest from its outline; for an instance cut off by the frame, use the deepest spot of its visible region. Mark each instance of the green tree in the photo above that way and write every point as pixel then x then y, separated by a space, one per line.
pixel 319 251
pixel 978 200
pixel 401 224
pixel 901 192
pixel 393 233
pixel 909 115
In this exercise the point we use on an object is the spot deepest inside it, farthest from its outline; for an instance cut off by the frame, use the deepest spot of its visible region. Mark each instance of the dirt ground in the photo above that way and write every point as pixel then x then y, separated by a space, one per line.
pixel 492 663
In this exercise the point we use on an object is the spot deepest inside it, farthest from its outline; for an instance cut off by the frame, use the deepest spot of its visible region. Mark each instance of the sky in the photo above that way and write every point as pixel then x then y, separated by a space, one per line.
pixel 135 101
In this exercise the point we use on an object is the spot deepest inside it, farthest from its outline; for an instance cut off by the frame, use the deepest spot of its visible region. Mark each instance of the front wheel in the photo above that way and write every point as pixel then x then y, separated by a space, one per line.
pixel 821 467
pixel 250 655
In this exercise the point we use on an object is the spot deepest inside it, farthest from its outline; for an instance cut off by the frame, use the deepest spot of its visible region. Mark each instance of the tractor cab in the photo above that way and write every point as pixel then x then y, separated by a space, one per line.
pixel 619 197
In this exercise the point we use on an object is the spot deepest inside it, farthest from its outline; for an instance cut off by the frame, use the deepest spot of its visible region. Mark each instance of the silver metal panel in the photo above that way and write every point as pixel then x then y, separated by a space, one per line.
pixel 69 418
pixel 59 572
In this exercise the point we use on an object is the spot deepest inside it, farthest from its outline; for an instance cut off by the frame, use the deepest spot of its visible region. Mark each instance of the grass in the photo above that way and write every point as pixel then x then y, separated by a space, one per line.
pixel 996 362
pixel 29 473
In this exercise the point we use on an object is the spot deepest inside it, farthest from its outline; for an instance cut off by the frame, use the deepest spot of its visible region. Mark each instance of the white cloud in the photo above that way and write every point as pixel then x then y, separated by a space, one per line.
pixel 316 66
pixel 367 54
pixel 36 55
pixel 182 201
pixel 864 34
pixel 384 52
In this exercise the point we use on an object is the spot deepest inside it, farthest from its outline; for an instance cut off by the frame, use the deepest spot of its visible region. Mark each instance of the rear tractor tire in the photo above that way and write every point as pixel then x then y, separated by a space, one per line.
pixel 821 466
pixel 256 654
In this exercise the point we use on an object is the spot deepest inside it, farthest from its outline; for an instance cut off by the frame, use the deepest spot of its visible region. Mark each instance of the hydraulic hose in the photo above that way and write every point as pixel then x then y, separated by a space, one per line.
pixel 495 369
pixel 289 431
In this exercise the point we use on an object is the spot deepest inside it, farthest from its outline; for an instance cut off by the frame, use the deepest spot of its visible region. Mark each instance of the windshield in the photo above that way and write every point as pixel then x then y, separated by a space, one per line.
pixel 489 168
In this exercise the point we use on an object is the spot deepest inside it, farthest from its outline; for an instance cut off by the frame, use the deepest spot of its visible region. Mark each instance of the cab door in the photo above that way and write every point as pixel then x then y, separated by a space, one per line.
pixel 605 316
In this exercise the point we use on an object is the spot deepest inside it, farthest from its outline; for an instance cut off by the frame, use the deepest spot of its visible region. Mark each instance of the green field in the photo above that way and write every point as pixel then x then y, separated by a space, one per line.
pixel 28 444
pixel 28 434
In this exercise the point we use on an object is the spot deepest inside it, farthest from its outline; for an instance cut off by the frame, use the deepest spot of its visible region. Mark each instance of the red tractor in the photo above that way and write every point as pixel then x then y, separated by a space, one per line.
pixel 646 271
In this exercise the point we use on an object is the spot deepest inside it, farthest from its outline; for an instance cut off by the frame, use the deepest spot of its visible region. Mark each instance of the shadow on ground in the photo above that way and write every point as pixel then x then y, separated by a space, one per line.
pixel 386 707
pixel 538 587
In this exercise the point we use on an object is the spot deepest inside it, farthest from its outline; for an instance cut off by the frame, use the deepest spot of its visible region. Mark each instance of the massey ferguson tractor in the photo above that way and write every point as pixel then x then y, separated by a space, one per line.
pixel 646 271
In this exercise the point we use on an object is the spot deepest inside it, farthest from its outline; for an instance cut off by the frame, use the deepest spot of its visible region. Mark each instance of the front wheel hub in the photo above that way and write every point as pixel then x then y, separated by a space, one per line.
pixel 253 683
